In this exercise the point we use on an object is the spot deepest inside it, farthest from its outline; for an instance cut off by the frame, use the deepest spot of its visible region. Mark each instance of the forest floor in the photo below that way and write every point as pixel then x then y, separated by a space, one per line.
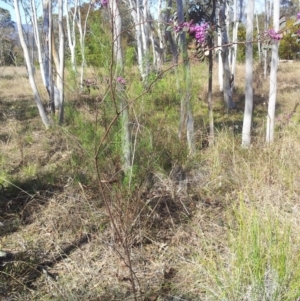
pixel 221 225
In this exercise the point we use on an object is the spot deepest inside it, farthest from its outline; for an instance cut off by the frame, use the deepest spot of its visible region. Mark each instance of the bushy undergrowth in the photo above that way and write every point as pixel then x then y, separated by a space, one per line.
pixel 222 224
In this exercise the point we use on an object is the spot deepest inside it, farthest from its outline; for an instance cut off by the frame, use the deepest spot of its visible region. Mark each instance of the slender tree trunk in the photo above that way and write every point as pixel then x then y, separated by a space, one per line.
pixel 29 67
pixel 210 104
pixel 220 63
pixel 117 29
pixel 236 22
pixel 161 40
pixel 51 84
pixel 61 60
pixel 265 51
pixel 37 40
pixel 246 133
pixel 71 32
pixel 273 77
pixel 258 42
pixel 82 33
pixel 225 53
pixel 145 36
pixel 186 115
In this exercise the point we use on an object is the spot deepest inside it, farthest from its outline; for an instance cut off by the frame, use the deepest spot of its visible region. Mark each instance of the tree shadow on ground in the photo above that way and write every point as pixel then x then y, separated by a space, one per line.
pixel 21 201
pixel 24 109
pixel 233 119
pixel 19 271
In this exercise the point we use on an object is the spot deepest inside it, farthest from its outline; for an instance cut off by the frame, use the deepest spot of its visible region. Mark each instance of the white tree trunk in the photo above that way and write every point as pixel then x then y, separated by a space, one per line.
pixel 161 40
pixel 60 72
pixel 117 29
pixel 145 39
pixel 273 77
pixel 82 33
pixel 265 50
pixel 220 62
pixel 186 115
pixel 258 41
pixel 37 40
pixel 170 36
pixel 236 23
pixel 71 31
pixel 225 58
pixel 51 84
pixel 29 67
pixel 246 132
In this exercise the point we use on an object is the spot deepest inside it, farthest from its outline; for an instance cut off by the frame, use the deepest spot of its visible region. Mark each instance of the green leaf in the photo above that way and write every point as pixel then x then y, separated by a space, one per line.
pixel 169 28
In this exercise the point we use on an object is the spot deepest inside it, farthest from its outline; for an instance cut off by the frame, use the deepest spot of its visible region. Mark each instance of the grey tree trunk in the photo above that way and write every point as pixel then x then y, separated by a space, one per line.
pixel 71 24
pixel 186 115
pixel 258 36
pixel 225 59
pixel 265 46
pixel 236 22
pixel 170 37
pixel 51 84
pixel 116 22
pixel 210 104
pixel 82 34
pixel 246 133
pixel 273 77
pixel 61 60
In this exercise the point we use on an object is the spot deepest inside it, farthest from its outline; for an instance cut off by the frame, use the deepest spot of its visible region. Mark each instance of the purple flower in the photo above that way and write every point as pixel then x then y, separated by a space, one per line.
pixel 298 16
pixel 121 80
pixel 274 35
pixel 104 2
pixel 197 31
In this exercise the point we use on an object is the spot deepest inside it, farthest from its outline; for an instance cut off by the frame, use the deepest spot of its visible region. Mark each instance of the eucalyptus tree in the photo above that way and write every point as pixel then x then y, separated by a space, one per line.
pixel 220 60
pixel 168 33
pixel 246 132
pixel 44 41
pixel 82 28
pixel 227 91
pixel 204 16
pixel 137 19
pixel 7 44
pixel 273 74
pixel 117 76
pixel 71 17
pixel 266 27
pixel 186 116
pixel 60 71
pixel 236 22
pixel 160 33
pixel 32 82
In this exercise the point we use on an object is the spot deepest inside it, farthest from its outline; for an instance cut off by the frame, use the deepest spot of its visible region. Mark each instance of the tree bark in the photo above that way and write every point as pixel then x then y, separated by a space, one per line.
pixel 37 97
pixel 61 69
pixel 273 77
pixel 186 115
pixel 225 59
pixel 246 132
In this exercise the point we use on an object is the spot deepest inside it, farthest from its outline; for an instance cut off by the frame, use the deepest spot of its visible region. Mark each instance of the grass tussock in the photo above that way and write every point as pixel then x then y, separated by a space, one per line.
pixel 220 225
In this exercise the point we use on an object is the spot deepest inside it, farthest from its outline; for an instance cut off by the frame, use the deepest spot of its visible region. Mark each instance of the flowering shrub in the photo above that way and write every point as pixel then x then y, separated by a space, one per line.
pixel 271 33
pixel 121 80
pixel 197 31
pixel 104 2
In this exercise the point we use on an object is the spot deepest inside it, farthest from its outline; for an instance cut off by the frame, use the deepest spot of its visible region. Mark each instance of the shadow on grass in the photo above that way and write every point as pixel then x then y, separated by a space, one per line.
pixel 233 119
pixel 19 271
pixel 21 201
pixel 23 109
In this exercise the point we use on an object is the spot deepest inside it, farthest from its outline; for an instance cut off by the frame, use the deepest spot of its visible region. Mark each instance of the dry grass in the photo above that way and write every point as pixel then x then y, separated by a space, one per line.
pixel 222 226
